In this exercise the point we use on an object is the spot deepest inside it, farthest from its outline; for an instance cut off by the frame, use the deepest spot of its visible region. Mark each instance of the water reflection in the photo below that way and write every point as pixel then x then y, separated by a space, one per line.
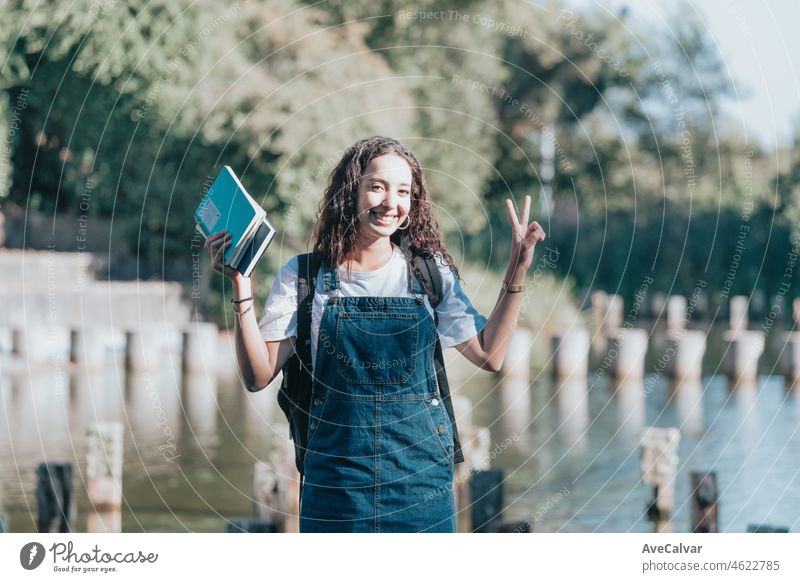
pixel 191 443
pixel 629 397
pixel 199 398
pixel 688 398
pixel 514 412
pixel 572 411
pixel 153 412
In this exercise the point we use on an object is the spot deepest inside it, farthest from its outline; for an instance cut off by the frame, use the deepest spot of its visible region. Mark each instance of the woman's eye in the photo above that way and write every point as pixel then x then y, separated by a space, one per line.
pixel 377 185
pixel 405 192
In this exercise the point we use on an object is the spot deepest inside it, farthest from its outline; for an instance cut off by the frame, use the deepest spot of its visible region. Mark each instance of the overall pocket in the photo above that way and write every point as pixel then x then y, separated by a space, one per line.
pixel 376 347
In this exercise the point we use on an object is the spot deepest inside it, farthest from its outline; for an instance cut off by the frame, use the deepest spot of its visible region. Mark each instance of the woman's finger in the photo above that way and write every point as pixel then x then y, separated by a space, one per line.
pixel 218 242
pixel 512 214
pixel 526 208
pixel 220 254
pixel 536 233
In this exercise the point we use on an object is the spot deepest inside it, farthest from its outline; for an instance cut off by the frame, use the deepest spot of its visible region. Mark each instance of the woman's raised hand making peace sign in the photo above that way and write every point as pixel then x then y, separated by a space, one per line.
pixel 524 236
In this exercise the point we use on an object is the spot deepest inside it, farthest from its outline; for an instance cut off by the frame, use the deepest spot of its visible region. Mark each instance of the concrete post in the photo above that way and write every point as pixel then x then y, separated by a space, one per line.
pixel 738 313
pixel 200 347
pixel 143 348
pixel 627 349
pixel 743 348
pixel 791 360
pixel 571 354
pixel 104 476
pixel 676 313
pixel 688 348
pixel 87 347
pixel 659 464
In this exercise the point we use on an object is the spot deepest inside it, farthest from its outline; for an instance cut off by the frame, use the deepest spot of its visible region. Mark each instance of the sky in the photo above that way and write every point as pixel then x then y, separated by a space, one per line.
pixel 760 45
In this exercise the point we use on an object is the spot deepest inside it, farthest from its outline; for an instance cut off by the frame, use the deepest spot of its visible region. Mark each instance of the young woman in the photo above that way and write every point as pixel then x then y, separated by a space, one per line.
pixel 380 445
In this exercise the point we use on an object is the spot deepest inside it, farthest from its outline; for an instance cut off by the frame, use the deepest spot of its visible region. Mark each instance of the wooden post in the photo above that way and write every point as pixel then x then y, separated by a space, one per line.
pixel 104 477
pixel 54 497
pixel 2 523
pixel 486 493
pixel 659 463
pixel 704 503
pixel 277 488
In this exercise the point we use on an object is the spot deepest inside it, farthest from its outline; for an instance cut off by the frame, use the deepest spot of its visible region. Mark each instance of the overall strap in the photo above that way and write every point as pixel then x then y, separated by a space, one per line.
pixel 330 279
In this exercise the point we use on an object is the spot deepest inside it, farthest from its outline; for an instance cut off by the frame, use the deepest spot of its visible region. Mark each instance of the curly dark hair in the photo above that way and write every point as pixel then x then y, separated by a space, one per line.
pixel 338 225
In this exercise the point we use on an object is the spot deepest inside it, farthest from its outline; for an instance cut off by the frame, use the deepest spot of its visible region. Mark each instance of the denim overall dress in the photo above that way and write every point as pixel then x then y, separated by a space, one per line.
pixel 380 441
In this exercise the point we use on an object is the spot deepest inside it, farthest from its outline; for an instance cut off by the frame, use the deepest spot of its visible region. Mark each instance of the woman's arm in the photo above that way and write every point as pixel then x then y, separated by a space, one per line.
pixel 487 350
pixel 259 361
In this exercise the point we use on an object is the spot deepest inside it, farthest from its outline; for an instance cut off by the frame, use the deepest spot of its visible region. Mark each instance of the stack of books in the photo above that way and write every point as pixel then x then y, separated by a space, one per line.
pixel 227 206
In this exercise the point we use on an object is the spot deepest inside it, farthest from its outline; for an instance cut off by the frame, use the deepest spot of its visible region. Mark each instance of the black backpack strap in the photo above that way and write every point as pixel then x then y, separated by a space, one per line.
pixel 294 397
pixel 308 266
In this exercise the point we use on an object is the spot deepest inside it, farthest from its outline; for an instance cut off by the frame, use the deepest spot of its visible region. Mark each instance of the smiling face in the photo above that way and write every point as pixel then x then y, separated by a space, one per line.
pixel 384 197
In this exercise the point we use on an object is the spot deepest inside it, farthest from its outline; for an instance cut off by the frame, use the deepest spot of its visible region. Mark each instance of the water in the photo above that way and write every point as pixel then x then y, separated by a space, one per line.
pixel 190 445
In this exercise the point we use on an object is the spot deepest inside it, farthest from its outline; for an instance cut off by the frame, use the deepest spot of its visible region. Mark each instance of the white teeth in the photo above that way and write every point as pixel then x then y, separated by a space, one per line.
pixel 381 218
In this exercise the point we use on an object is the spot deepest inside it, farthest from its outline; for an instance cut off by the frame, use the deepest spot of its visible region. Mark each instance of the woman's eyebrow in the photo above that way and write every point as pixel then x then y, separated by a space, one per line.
pixel 376 179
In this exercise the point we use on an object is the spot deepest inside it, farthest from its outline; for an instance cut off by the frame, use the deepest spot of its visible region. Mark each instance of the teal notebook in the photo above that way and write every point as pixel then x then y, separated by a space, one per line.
pixel 228 206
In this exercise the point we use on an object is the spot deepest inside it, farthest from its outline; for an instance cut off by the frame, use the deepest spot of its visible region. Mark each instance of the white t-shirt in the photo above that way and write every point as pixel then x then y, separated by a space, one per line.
pixel 458 318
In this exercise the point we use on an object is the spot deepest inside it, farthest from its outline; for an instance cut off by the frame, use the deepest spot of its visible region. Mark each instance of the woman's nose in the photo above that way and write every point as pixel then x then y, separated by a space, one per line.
pixel 390 197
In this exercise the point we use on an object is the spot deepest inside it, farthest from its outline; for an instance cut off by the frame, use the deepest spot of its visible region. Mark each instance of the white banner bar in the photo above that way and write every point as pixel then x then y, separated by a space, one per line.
pixel 387 557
